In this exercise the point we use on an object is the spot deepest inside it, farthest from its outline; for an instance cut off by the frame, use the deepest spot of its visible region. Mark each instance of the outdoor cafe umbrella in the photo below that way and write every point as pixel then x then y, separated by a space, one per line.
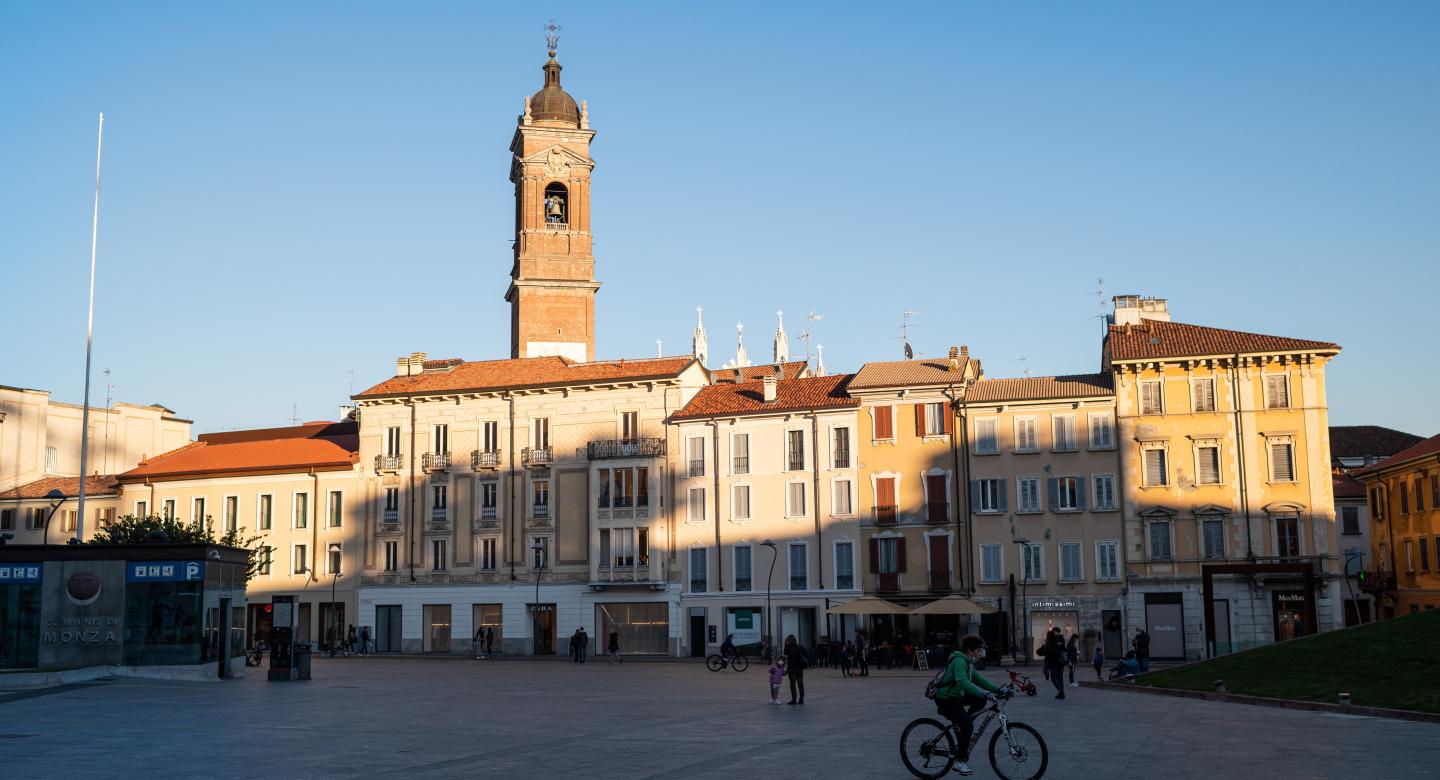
pixel 868 605
pixel 952 605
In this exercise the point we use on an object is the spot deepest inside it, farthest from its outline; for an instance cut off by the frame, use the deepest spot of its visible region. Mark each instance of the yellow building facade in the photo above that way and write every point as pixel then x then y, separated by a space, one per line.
pixel 1404 500
pixel 1225 460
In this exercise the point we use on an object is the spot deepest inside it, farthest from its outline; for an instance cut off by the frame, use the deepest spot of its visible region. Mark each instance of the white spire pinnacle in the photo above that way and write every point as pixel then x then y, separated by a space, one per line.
pixel 820 360
pixel 699 342
pixel 741 360
pixel 782 342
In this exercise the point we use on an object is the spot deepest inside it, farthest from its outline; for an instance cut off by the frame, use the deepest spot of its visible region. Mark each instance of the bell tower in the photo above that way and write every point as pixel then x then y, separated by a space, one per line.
pixel 552 282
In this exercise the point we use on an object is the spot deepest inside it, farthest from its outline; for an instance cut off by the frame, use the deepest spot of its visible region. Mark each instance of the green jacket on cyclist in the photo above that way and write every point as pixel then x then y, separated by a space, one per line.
pixel 962 680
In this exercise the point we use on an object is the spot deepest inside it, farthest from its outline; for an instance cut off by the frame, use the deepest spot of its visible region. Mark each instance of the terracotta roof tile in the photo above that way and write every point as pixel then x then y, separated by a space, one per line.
pixel 321 446
pixel 793 370
pixel 1365 441
pixel 791 395
pixel 1153 339
pixel 1038 388
pixel 515 373
pixel 1346 486
pixel 1429 446
pixel 100 485
pixel 902 373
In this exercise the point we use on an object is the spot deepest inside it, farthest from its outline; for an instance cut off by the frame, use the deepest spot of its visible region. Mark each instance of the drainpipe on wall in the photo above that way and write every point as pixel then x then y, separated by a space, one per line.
pixel 512 491
pixel 815 471
pixel 1240 455
pixel 314 526
pixel 715 467
pixel 414 516
pixel 961 506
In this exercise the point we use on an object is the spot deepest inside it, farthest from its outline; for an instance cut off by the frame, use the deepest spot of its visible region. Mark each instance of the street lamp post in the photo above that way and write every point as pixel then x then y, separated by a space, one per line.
pixel 56 499
pixel 1024 603
pixel 539 550
pixel 769 622
pixel 335 608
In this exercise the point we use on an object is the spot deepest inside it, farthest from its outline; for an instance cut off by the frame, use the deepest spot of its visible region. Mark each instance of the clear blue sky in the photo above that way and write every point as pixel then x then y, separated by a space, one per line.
pixel 296 191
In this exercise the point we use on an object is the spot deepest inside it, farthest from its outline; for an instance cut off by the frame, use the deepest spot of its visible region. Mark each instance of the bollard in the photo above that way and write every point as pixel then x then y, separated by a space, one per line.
pixel 1345 700
pixel 1220 686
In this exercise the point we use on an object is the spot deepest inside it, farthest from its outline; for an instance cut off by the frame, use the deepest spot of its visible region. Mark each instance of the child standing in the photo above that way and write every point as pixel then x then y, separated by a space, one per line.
pixel 1099 661
pixel 777 676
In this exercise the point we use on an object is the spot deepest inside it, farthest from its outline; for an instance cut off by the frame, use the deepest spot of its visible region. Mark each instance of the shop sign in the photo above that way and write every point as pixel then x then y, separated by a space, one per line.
pixel 542 607
pixel 20 574
pixel 165 571
pixel 1052 603
pixel 744 624
pixel 1287 598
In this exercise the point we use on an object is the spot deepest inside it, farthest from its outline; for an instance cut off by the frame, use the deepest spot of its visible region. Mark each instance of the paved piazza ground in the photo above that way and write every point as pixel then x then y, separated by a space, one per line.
pixel 442 718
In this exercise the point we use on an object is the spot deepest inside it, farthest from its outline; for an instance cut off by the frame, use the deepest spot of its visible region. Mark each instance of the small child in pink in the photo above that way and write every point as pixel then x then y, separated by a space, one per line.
pixel 777 676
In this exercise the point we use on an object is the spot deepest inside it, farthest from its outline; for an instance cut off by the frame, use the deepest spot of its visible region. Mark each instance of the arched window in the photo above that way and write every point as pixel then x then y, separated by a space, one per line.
pixel 557 204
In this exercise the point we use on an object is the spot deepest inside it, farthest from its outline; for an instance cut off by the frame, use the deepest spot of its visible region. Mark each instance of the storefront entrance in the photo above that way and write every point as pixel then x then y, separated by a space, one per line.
pixel 1289 610
pixel 542 627
pixel 259 622
pixel 489 618
pixel 1165 623
pixel 643 628
pixel 387 629
pixel 437 628
pixel 798 622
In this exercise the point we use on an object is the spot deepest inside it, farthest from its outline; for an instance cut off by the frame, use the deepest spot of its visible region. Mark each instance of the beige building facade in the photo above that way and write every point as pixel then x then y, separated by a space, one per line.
pixel 767 495
pixel 1044 509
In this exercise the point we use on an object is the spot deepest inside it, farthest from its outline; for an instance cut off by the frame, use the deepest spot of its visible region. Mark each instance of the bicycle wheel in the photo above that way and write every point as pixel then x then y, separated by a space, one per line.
pixel 1021 756
pixel 714 663
pixel 927 748
pixel 739 663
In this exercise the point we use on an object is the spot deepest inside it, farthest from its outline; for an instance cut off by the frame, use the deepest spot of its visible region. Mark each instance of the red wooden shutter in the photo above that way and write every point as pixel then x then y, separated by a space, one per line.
pixel 900 554
pixel 939 563
pixel 884 423
pixel 936 502
pixel 874 555
pixel 949 419
pixel 919 419
pixel 885 500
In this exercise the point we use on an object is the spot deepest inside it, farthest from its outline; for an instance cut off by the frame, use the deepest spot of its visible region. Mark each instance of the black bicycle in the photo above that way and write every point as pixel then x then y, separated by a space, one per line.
pixel 1017 751
pixel 717 662
pixel 337 648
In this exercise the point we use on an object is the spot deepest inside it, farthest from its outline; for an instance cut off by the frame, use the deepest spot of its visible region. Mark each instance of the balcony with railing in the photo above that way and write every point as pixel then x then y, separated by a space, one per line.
pixel 439 514
pixel 391 516
pixel 540 514
pixel 886 515
pixel 625 568
pixel 740 464
pixel 604 449
pixel 481 459
pixel 1379 582
pixel 435 461
pixel 389 462
pixel 537 457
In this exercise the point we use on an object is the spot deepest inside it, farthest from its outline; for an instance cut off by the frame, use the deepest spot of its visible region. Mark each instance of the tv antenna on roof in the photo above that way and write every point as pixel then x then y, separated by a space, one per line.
pixel 1024 365
pixel 294 413
pixel 905 326
pixel 1099 293
pixel 806 335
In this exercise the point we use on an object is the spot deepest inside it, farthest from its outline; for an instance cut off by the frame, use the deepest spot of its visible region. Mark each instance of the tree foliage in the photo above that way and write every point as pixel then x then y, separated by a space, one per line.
pixel 156 529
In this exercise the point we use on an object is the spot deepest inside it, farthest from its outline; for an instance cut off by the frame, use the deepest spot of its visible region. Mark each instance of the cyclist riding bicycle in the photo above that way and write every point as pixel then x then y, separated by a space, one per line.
pixel 962 693
pixel 727 649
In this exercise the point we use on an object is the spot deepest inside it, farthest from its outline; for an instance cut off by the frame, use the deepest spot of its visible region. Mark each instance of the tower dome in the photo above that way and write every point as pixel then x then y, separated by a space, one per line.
pixel 551 103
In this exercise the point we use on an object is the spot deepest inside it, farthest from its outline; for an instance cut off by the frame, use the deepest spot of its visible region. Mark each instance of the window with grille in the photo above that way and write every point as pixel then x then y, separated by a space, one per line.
pixel 695 454
pixel 991 566
pixel 1207 463
pixel 840 448
pixel 1026 438
pixel 489 499
pixel 1213 534
pixel 739 454
pixel 794 450
pixel 986 442
pixel 540 498
pixel 1156 473
pixel 1152 401
pixel 1277 392
pixel 1070 566
pixel 1282 462
pixel 1160 549
pixel 1202 394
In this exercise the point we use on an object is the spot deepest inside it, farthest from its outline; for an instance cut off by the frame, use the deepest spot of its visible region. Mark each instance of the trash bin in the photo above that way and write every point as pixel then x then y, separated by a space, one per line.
pixel 302 660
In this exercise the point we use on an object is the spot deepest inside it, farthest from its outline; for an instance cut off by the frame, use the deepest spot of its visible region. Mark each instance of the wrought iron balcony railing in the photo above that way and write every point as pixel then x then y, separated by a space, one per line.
pixel 537 456
pixel 625 448
pixel 389 462
pixel 480 459
pixel 435 461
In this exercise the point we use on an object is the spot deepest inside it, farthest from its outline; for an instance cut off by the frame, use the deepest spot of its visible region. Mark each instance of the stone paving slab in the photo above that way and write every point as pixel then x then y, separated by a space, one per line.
pixel 389 718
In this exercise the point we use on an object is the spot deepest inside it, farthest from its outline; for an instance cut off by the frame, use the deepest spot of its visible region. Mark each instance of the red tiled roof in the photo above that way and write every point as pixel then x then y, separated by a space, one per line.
pixel 1153 339
pixel 321 446
pixel 1429 446
pixel 793 369
pixel 1346 486
pixel 1038 388
pixel 1365 441
pixel 902 373
pixel 100 485
pixel 791 395
pixel 515 373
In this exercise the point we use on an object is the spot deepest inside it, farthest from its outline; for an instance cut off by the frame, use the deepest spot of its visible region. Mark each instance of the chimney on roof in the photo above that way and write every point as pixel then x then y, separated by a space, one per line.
pixel 410 366
pixel 769 388
pixel 954 364
pixel 1132 309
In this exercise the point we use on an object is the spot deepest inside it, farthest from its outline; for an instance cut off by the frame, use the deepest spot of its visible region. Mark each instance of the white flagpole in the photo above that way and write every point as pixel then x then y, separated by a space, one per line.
pixel 89 340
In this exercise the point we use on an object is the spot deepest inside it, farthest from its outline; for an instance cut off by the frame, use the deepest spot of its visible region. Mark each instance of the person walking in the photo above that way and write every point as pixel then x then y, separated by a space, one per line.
pixel 1141 643
pixel 962 693
pixel 350 639
pixel 575 647
pixel 584 646
pixel 613 647
pixel 1098 661
pixel 862 647
pixel 1054 652
pixel 479 643
pixel 795 664
pixel 777 676
pixel 490 642
pixel 1072 657
pixel 365 640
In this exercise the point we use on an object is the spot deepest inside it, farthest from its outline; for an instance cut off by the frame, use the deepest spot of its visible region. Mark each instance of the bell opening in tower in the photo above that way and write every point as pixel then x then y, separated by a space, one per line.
pixel 557 205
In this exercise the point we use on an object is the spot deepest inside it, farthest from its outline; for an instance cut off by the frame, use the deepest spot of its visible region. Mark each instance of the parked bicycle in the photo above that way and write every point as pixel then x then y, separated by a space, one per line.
pixel 1017 751
pixel 717 662
pixel 337 648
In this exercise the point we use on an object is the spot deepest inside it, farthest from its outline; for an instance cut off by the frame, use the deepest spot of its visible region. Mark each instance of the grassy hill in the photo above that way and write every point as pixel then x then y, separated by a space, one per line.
pixel 1387 664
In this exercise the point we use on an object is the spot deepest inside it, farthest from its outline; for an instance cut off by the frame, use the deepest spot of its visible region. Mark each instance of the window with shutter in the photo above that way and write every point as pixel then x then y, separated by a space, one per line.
pixel 939 563
pixel 740 502
pixel 1202 393
pixel 1160 541
pixel 1404 498
pixel 1070 567
pixel 1064 432
pixel 795 503
pixel 986 442
pixel 936 420
pixel 1155 472
pixel 1282 466
pixel 1207 464
pixel 991 568
pixel 1151 400
pixel 1419 496
pixel 919 419
pixel 884 417
pixel 1213 533
pixel 1027 490
pixel 1104 491
pixel 937 504
pixel 1107 560
pixel 885 500
pixel 1065 494
pixel 1102 435
pixel 1277 392
pixel 1034 563
pixel 1026 439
